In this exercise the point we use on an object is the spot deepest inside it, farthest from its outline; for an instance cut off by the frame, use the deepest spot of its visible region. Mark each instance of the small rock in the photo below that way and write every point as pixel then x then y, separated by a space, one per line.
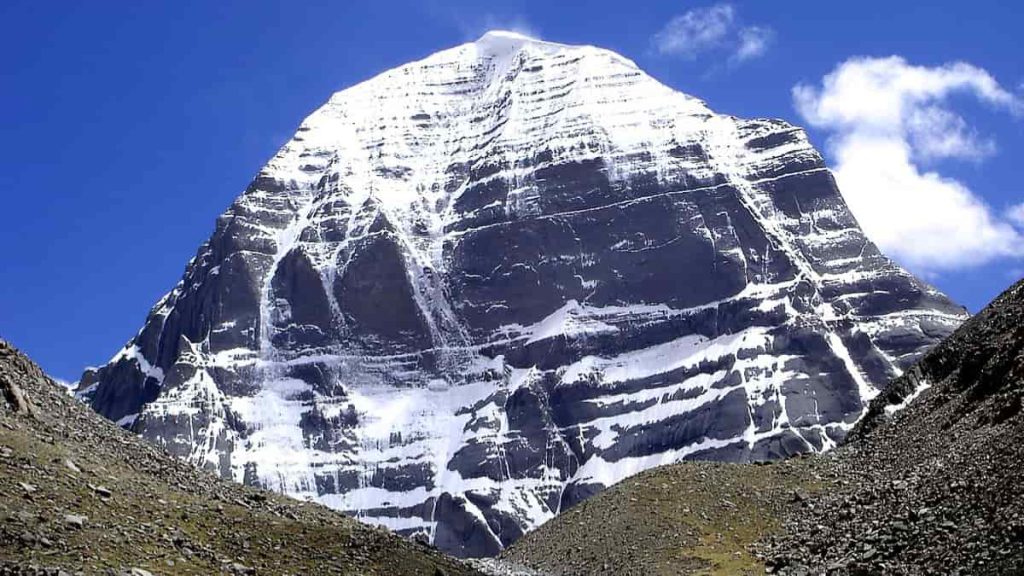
pixel 75 520
pixel 838 566
pixel 237 568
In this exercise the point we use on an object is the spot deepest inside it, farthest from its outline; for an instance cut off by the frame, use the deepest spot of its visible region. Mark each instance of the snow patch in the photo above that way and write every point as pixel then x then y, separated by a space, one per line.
pixel 921 387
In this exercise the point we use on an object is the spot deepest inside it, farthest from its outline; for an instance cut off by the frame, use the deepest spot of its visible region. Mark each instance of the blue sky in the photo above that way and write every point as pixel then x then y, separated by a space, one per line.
pixel 127 127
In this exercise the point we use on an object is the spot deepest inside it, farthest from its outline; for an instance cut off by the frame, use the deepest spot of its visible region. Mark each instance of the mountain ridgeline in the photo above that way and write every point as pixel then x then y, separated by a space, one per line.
pixel 479 288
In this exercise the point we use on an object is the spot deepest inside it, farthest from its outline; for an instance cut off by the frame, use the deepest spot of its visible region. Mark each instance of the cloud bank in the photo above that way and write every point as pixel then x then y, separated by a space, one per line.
pixel 889 124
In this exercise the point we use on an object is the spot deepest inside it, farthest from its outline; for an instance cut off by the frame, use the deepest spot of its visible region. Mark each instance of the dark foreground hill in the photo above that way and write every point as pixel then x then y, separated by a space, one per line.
pixel 931 482
pixel 78 493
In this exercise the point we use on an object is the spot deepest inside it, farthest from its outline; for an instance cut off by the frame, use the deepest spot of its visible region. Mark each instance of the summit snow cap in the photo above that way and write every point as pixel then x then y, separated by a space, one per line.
pixel 505 43
pixel 498 38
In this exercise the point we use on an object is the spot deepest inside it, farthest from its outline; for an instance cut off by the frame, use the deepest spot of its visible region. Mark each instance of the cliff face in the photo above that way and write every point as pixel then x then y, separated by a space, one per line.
pixel 480 287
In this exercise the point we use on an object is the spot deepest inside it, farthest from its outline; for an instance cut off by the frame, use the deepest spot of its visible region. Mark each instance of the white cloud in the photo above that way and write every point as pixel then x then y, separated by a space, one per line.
pixel 713 28
pixel 1016 214
pixel 753 42
pixel 937 133
pixel 889 123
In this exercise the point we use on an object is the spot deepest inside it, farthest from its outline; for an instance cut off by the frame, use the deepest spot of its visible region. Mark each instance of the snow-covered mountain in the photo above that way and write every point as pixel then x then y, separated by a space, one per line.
pixel 478 288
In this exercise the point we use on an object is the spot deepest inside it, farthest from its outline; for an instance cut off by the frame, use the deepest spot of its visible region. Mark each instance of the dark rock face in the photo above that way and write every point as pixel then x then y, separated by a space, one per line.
pixel 480 287
pixel 377 300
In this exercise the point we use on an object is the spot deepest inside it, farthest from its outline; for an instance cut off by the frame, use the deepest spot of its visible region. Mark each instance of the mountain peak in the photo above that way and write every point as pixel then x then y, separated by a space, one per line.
pixel 456 300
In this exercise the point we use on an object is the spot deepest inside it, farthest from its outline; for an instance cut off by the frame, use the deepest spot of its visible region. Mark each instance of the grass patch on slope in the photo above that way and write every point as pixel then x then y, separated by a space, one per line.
pixel 687 518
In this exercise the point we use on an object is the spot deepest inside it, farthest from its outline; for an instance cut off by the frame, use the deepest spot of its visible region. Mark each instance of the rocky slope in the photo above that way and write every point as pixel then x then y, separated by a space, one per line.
pixel 476 289
pixel 79 494
pixel 929 483
pixel 932 480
